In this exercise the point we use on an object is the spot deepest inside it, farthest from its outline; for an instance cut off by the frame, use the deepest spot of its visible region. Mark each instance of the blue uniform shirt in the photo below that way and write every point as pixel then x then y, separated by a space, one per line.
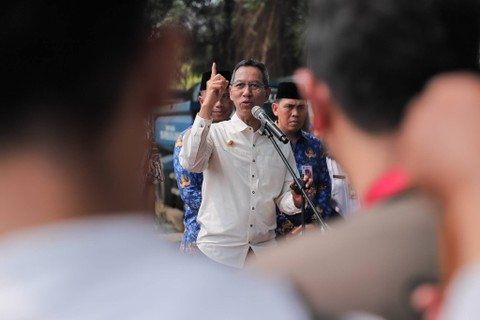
pixel 190 186
pixel 310 157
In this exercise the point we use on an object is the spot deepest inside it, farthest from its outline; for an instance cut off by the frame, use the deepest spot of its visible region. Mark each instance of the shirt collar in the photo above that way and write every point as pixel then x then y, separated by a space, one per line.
pixel 301 136
pixel 390 184
pixel 237 124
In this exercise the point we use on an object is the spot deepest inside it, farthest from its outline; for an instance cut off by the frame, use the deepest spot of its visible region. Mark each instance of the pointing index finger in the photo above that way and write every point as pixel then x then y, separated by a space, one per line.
pixel 214 70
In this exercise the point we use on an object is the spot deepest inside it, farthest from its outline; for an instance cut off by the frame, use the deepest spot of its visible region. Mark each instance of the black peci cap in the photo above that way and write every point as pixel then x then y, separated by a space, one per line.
pixel 288 90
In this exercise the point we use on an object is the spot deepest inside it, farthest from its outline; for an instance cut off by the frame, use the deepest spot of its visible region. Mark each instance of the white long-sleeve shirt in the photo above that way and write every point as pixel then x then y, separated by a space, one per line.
pixel 244 178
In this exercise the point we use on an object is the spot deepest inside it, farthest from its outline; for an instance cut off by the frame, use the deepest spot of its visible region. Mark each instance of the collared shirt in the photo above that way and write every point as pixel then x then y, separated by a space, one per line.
pixel 346 200
pixel 244 178
pixel 310 158
pixel 190 186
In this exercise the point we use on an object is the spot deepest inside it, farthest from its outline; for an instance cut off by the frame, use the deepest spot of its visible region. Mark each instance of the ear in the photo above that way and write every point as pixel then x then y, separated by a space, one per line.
pixel 275 109
pixel 319 96
pixel 268 91
pixel 200 99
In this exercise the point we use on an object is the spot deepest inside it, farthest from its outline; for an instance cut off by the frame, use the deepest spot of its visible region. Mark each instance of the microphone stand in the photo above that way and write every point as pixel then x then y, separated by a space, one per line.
pixel 264 130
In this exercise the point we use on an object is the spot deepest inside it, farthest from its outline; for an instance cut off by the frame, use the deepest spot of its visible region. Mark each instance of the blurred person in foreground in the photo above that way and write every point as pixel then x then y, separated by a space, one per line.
pixel 449 111
pixel 81 80
pixel 359 88
pixel 291 112
pixel 190 183
pixel 244 177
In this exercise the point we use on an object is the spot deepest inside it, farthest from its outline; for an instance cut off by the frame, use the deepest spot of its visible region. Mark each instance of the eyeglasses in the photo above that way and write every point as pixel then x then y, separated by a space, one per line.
pixel 253 86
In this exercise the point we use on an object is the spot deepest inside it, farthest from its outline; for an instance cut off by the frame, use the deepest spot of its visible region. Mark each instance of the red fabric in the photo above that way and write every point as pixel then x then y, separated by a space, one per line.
pixel 388 185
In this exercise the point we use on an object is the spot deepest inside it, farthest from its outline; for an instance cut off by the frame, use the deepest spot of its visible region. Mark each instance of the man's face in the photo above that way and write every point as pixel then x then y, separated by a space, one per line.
pixel 248 89
pixel 291 114
pixel 222 109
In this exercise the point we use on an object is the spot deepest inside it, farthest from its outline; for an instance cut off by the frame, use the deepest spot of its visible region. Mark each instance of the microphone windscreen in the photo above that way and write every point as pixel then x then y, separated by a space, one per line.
pixel 256 111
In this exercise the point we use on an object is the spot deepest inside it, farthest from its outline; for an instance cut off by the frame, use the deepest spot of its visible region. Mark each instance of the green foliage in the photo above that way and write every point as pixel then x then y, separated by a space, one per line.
pixel 216 30
pixel 187 78
pixel 251 4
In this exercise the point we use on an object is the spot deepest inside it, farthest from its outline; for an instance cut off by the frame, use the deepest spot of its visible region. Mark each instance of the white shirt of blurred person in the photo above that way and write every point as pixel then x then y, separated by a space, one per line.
pixel 244 177
pixel 72 242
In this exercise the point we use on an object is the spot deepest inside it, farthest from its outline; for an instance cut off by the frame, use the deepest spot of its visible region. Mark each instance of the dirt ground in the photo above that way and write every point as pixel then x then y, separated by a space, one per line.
pixel 169 221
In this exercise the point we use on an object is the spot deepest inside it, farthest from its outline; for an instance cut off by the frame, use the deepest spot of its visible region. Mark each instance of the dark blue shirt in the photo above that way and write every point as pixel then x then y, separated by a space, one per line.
pixel 310 156
pixel 190 186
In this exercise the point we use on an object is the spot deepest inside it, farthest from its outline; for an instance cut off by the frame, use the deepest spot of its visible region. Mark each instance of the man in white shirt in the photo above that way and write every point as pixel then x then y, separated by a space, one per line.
pixel 73 244
pixel 343 195
pixel 244 177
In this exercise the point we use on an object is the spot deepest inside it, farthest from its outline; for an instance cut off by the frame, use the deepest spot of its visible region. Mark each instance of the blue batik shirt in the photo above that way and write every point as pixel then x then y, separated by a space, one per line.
pixel 310 157
pixel 190 186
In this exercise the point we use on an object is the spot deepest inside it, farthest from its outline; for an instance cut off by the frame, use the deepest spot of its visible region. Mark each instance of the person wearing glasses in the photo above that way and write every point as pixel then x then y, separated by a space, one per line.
pixel 244 177
pixel 291 111
pixel 190 183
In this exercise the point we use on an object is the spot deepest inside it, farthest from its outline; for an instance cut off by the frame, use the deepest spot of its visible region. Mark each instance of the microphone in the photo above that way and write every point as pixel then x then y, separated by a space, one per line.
pixel 260 114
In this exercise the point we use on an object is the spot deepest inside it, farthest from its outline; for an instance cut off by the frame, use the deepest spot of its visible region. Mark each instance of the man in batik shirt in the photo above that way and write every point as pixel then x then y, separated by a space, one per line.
pixel 190 183
pixel 291 111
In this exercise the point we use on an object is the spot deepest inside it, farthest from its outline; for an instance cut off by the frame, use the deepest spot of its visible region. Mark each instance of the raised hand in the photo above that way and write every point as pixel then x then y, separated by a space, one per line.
pixel 216 87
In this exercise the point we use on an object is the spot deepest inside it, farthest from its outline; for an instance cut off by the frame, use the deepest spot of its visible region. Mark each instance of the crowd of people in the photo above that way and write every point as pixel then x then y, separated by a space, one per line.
pixel 394 87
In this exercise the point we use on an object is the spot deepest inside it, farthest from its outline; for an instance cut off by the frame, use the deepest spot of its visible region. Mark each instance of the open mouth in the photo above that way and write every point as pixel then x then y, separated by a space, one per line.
pixel 247 103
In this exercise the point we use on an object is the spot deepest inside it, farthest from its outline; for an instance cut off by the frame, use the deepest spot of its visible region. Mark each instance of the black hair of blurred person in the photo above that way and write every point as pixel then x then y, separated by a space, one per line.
pixel 63 65
pixel 375 56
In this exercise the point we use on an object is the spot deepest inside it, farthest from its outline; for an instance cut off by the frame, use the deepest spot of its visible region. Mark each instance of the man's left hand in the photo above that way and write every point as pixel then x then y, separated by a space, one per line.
pixel 297 198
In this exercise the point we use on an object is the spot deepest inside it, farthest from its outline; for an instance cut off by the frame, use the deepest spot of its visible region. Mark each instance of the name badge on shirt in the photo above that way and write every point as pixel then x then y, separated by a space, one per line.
pixel 307 171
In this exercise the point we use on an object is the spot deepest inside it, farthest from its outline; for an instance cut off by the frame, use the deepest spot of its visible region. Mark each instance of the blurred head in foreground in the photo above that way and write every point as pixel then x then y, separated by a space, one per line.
pixel 77 85
pixel 368 59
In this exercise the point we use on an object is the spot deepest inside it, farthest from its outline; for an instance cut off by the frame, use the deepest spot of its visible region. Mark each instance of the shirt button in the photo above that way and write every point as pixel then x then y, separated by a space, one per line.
pixel 253 160
pixel 254 145
pixel 251 226
pixel 253 208
pixel 253 192
pixel 253 176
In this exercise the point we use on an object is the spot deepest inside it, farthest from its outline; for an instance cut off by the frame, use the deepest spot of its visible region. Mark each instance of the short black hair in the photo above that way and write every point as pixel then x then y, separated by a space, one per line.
pixel 63 63
pixel 376 55
pixel 253 63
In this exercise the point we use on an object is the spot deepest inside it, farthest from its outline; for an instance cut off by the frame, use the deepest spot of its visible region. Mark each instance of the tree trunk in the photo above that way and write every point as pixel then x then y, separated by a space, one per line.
pixel 260 33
